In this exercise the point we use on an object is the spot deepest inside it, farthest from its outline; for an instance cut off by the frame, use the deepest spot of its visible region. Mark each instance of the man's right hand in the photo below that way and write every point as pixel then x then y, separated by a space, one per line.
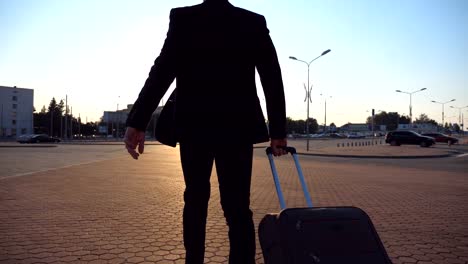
pixel 278 146
pixel 133 138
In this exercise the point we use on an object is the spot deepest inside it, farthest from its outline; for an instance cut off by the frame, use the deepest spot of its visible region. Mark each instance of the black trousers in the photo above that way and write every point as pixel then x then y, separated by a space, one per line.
pixel 234 170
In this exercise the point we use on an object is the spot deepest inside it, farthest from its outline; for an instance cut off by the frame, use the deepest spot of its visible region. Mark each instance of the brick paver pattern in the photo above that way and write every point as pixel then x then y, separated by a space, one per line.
pixel 126 211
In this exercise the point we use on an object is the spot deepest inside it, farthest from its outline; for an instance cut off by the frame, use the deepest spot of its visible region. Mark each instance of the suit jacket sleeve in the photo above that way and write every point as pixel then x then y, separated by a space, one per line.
pixel 161 76
pixel 270 76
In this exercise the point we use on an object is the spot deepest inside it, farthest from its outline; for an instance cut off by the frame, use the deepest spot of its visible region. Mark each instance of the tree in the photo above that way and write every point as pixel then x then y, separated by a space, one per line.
pixel 390 120
pixel 48 120
pixel 424 119
pixel 313 125
pixel 40 121
pixel 299 126
pixel 404 120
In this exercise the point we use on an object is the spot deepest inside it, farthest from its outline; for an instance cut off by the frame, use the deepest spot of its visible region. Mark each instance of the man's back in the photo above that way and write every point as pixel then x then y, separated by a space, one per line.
pixel 217 50
pixel 212 50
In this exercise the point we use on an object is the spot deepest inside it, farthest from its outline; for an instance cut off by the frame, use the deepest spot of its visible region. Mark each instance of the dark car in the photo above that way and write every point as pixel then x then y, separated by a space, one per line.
pixel 397 138
pixel 37 138
pixel 337 135
pixel 439 137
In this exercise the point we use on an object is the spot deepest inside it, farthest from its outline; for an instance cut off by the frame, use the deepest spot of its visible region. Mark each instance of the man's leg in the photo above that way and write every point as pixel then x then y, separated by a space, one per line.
pixel 234 169
pixel 197 162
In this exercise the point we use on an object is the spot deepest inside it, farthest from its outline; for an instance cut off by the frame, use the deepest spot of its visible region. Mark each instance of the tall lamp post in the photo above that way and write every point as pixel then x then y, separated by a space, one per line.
pixel 118 118
pixel 61 121
pixel 308 89
pixel 460 117
pixel 443 103
pixel 410 101
pixel 325 124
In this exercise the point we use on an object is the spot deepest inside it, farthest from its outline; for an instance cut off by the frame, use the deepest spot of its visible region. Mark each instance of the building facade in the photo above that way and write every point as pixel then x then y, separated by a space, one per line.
pixel 115 120
pixel 16 112
pixel 356 128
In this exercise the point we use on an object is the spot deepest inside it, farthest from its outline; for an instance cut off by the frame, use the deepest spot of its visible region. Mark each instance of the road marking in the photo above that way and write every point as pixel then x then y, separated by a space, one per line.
pixel 462 155
pixel 21 174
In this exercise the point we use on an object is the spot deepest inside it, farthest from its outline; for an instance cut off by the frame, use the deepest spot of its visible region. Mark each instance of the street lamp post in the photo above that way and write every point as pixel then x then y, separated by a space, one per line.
pixel 443 103
pixel 118 118
pixel 66 118
pixel 308 89
pixel 325 124
pixel 410 104
pixel 61 120
pixel 460 117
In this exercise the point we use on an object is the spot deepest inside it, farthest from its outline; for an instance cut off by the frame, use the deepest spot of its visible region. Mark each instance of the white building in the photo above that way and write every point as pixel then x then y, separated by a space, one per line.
pixel 420 128
pixel 116 119
pixel 16 111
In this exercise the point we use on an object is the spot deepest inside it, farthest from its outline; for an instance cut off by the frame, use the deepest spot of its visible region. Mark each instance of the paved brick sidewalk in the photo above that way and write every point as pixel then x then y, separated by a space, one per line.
pixel 125 211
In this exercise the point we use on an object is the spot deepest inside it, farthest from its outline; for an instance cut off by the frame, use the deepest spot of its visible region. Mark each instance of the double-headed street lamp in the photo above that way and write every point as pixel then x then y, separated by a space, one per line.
pixel 308 89
pixel 460 117
pixel 410 101
pixel 443 103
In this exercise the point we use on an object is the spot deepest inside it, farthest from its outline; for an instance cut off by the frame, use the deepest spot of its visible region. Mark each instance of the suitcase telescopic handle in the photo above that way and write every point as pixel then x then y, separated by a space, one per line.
pixel 293 152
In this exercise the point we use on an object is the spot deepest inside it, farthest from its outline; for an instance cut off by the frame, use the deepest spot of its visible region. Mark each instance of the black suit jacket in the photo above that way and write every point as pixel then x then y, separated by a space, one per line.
pixel 212 50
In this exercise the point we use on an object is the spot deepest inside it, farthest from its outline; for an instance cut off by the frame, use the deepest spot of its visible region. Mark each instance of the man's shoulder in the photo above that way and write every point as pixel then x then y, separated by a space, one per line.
pixel 248 13
pixel 186 9
pixel 195 9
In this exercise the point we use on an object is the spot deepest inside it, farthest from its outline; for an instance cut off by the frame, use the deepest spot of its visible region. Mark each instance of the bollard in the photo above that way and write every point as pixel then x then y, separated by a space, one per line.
pixel 347 143
pixel 338 145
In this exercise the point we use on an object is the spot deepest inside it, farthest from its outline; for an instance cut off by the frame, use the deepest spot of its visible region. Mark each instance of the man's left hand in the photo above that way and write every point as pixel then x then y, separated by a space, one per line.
pixel 133 138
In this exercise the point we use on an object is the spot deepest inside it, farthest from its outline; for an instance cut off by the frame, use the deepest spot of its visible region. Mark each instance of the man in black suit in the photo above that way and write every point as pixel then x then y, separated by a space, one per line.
pixel 212 50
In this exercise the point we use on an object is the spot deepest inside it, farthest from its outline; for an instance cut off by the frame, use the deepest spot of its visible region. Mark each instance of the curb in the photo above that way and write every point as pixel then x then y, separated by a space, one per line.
pixel 28 146
pixel 378 157
pixel 453 153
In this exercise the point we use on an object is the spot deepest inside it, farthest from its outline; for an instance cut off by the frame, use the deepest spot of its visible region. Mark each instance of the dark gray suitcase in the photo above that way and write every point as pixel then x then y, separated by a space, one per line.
pixel 318 235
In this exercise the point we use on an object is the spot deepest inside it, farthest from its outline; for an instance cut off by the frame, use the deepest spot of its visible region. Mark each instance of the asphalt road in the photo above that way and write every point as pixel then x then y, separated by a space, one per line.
pixel 26 160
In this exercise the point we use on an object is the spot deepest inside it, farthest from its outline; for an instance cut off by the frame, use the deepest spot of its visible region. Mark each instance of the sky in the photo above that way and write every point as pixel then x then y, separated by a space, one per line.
pixel 98 53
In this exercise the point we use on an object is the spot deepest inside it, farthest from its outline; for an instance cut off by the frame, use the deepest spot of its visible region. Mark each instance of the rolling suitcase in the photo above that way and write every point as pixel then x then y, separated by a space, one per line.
pixel 318 235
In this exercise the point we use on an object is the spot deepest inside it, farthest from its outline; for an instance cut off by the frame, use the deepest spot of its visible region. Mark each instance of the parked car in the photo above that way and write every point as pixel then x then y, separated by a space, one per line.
pixel 37 138
pixel 397 138
pixel 439 137
pixel 337 135
pixel 355 135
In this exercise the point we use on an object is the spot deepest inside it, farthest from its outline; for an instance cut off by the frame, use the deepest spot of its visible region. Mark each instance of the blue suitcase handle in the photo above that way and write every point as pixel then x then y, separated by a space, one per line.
pixel 293 152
